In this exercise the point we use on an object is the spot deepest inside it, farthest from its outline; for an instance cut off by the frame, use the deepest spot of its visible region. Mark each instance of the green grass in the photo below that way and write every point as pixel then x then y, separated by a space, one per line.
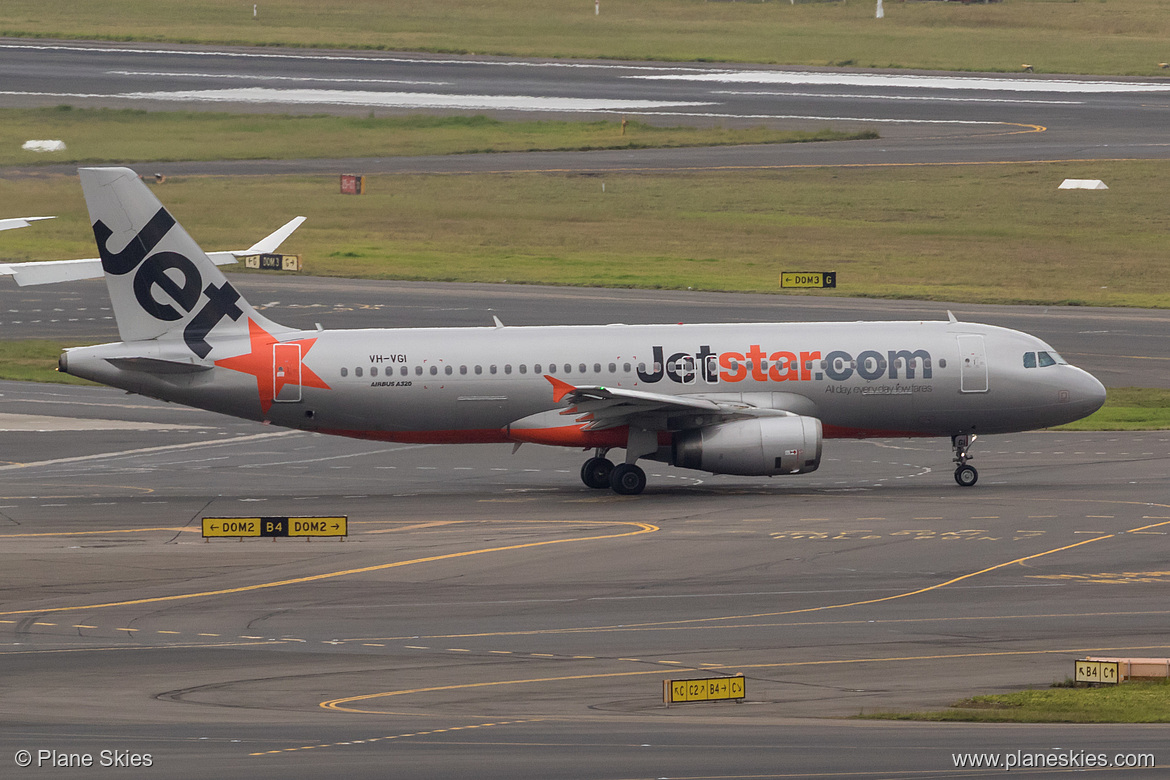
pixel 1130 702
pixel 107 135
pixel 971 233
pixel 1099 36
pixel 1128 409
pixel 34 361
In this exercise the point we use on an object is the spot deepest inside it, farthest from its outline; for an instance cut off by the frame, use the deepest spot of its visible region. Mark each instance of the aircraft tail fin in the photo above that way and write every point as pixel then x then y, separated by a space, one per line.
pixel 162 285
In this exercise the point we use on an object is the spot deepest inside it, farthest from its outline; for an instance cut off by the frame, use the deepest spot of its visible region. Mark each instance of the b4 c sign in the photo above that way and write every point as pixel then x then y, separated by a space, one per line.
pixel 274 526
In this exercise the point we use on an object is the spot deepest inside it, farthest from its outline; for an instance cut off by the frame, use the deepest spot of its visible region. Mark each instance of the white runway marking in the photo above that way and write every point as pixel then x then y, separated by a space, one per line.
pixel 47 423
pixel 407 99
pixel 321 97
pixel 902 81
pixel 931 98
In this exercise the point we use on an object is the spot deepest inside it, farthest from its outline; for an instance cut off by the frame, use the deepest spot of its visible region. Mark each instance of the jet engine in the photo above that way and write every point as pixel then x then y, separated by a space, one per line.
pixel 760 446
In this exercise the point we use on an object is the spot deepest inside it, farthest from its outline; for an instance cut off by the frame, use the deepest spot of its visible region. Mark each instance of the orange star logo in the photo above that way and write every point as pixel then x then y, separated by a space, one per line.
pixel 261 362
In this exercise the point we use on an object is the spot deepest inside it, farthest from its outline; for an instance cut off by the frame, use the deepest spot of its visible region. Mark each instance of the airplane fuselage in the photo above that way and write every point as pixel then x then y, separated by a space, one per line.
pixel 469 384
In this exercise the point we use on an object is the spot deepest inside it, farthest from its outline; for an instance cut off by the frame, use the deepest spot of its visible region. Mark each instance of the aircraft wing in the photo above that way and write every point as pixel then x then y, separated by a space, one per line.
pixel 604 407
pixel 19 222
pixel 49 271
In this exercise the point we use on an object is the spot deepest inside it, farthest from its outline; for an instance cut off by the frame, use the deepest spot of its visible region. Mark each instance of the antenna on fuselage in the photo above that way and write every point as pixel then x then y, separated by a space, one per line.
pixel 951 316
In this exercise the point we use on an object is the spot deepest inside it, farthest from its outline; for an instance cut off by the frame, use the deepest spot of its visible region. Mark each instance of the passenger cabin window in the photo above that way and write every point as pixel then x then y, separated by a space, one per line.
pixel 373 370
pixel 507 368
pixel 404 371
pixel 523 368
pixel 613 368
pixel 552 368
pixel 434 370
pixel 1029 360
pixel 345 372
pixel 357 371
pixel 492 370
pixel 581 368
pixel 462 369
pixel 447 370
pixel 568 369
pixel 418 370
pixel 536 369
pixel 478 370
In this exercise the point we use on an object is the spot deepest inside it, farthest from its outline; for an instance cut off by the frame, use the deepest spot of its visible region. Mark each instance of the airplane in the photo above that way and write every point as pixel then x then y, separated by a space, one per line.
pixel 741 399
pixel 20 222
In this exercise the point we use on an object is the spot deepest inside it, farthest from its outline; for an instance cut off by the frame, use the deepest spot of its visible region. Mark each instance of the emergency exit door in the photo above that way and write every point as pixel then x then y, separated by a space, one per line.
pixel 286 373
pixel 972 364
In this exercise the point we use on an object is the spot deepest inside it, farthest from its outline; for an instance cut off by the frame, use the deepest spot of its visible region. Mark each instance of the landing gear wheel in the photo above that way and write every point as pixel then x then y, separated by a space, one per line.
pixel 966 475
pixel 595 473
pixel 627 479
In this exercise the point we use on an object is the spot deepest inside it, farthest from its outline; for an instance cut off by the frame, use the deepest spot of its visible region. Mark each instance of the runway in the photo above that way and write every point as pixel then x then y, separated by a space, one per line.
pixel 923 117
pixel 488 614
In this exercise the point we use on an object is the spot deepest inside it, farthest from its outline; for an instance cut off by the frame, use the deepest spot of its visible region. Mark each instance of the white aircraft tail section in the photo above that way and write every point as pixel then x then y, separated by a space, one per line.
pixel 162 285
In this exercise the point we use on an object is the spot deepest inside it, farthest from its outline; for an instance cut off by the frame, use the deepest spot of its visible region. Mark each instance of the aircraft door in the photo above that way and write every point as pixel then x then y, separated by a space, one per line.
pixel 972 364
pixel 286 373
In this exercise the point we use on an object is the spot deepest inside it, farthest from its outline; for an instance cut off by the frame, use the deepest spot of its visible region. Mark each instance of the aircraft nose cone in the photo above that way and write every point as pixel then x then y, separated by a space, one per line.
pixel 1089 393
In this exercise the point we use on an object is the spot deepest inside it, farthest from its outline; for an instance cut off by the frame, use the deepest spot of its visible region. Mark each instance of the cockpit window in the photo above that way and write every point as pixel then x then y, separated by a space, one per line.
pixel 1042 359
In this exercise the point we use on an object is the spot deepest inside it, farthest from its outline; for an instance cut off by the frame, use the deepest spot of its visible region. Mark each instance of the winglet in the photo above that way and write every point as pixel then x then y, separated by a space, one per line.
pixel 560 389
pixel 272 241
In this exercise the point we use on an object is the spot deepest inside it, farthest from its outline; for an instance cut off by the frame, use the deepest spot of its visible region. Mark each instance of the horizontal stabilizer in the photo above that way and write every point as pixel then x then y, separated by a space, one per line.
pixel 157 366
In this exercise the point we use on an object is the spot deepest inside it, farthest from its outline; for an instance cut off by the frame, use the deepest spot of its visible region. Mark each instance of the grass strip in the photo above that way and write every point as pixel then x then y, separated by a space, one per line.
pixel 1128 409
pixel 1130 702
pixel 35 361
pixel 102 135
pixel 1054 36
pixel 970 233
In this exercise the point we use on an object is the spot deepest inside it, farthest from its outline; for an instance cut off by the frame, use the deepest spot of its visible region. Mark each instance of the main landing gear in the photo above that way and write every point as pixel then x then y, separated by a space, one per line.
pixel 965 473
pixel 596 471
pixel 626 479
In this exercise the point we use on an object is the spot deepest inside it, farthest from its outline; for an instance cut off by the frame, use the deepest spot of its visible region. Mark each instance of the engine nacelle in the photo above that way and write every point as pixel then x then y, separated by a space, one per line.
pixel 758 447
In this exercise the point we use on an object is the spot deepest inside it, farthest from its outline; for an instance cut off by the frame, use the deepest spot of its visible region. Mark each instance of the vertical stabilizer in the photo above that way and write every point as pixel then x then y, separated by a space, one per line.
pixel 162 285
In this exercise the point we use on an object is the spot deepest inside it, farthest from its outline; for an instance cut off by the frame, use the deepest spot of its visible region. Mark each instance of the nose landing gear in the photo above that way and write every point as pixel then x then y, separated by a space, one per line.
pixel 965 474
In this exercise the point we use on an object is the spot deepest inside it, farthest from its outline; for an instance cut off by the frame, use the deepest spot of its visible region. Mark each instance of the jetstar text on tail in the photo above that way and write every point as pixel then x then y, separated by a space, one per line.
pixel 761 365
